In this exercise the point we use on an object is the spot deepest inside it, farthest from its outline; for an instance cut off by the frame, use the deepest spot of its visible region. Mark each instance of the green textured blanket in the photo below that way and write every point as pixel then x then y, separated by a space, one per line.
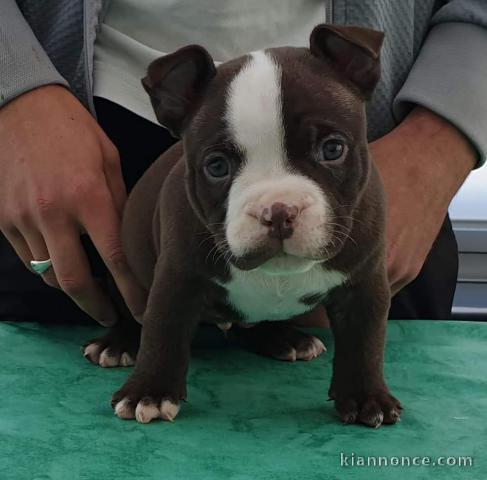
pixel 247 417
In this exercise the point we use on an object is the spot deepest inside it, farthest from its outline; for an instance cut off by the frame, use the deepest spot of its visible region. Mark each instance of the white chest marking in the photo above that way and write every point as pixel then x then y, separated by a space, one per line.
pixel 259 296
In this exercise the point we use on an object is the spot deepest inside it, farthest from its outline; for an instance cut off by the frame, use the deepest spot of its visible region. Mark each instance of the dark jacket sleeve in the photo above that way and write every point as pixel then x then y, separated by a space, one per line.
pixel 23 63
pixel 449 76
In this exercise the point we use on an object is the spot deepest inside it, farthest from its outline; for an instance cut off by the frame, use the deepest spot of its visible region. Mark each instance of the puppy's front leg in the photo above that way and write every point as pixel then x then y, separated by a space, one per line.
pixel 158 383
pixel 358 315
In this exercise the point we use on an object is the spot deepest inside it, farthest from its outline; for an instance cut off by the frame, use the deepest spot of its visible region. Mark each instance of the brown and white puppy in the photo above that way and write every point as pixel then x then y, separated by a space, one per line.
pixel 268 207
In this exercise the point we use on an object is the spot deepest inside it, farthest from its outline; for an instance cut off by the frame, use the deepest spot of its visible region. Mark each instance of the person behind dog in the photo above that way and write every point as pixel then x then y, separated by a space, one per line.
pixel 77 131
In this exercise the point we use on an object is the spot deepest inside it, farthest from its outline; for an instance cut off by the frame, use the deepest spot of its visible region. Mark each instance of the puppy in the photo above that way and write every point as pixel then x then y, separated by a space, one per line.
pixel 268 207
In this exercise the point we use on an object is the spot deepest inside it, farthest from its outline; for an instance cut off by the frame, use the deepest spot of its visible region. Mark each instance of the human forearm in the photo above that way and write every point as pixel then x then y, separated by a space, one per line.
pixel 423 162
pixel 435 152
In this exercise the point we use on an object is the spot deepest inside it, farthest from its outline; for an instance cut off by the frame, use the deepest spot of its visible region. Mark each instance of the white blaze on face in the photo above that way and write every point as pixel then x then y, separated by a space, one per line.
pixel 254 114
pixel 255 120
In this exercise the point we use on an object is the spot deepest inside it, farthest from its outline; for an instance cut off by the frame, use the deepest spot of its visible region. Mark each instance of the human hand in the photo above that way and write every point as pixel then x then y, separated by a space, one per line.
pixel 61 177
pixel 423 162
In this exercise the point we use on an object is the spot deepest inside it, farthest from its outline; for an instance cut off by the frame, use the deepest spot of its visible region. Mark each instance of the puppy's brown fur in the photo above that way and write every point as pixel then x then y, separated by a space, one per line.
pixel 173 217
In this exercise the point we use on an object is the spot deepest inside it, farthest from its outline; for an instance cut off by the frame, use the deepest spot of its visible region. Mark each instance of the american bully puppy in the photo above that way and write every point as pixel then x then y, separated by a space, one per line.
pixel 267 207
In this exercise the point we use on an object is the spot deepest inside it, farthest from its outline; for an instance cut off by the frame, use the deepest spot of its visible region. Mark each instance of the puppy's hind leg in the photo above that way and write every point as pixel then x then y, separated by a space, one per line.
pixel 279 340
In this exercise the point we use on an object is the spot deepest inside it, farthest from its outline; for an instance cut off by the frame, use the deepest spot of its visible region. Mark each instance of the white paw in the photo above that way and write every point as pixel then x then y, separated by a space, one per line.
pixel 92 352
pixel 225 326
pixel 147 410
pixel 124 410
pixel 126 360
pixel 107 358
pixel 312 350
pixel 307 349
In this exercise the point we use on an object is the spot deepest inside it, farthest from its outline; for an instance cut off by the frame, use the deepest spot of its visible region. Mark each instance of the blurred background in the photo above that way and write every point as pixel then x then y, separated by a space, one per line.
pixel 468 212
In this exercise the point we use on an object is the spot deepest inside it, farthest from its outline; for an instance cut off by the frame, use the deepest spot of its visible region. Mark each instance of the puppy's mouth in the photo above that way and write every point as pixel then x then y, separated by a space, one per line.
pixel 258 256
pixel 272 259
pixel 286 264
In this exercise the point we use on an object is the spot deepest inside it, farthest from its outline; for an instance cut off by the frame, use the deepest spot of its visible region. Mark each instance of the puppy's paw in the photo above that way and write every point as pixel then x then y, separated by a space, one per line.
pixel 146 409
pixel 107 357
pixel 111 350
pixel 300 347
pixel 372 408
pixel 281 341
pixel 144 403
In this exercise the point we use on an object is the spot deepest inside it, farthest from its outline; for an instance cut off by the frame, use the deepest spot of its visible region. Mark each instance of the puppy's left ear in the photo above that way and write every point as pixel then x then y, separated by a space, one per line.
pixel 353 51
pixel 175 83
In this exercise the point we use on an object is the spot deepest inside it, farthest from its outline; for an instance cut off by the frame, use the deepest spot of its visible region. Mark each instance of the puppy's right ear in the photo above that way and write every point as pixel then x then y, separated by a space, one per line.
pixel 353 51
pixel 175 83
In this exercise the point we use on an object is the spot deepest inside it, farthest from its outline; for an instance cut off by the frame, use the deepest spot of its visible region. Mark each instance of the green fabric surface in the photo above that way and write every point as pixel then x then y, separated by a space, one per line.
pixel 247 417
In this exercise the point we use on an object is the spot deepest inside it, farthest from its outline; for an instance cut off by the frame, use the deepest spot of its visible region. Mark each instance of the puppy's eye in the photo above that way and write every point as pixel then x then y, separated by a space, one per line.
pixel 332 149
pixel 217 167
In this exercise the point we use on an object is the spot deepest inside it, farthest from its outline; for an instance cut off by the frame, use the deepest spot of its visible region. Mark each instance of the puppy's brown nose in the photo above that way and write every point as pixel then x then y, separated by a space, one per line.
pixel 280 219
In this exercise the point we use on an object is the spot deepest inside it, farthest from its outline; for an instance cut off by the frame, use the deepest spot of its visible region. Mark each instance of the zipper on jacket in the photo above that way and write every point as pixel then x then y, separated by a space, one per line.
pixel 88 80
pixel 329 11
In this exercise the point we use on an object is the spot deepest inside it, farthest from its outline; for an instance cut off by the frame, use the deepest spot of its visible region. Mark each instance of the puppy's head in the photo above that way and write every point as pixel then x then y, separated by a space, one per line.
pixel 275 143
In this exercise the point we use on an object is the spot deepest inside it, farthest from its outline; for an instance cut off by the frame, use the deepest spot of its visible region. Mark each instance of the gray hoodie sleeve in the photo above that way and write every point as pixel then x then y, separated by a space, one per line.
pixel 449 76
pixel 23 63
